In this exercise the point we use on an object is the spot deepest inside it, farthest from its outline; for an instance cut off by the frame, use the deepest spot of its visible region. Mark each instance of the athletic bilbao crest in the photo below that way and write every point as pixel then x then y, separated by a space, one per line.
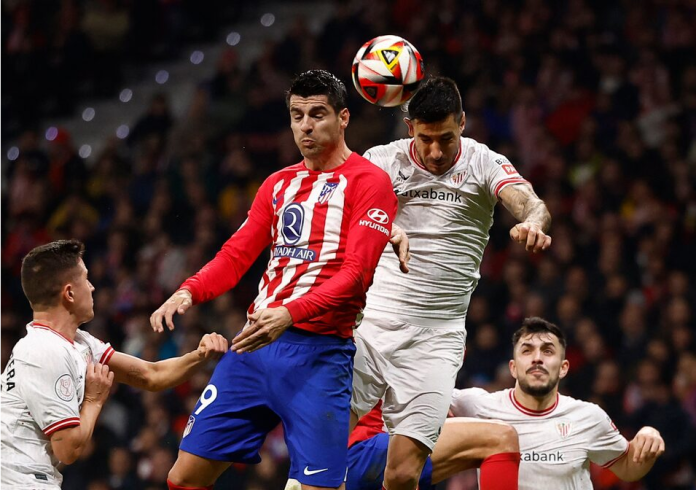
pixel 563 429
pixel 326 192
pixel 458 178
pixel 293 220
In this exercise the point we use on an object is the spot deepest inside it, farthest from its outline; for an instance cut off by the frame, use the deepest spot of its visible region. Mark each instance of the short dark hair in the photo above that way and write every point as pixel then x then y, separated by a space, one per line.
pixel 534 325
pixel 435 101
pixel 319 82
pixel 46 268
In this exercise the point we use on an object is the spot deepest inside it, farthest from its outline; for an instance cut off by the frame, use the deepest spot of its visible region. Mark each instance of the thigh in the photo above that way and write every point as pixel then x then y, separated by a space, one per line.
pixel 420 383
pixel 313 402
pixel 368 380
pixel 194 471
pixel 232 416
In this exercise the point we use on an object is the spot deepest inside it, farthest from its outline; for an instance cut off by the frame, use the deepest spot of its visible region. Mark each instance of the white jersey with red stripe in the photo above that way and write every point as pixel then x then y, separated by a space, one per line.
pixel 43 386
pixel 326 230
pixel 447 219
pixel 556 444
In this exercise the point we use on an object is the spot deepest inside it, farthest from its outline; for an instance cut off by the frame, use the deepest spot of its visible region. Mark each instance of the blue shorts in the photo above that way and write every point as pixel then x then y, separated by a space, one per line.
pixel 367 460
pixel 303 380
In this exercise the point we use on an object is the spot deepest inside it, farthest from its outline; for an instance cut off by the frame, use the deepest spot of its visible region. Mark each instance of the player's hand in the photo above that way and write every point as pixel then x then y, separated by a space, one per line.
pixel 649 445
pixel 98 381
pixel 212 346
pixel 399 242
pixel 531 235
pixel 178 302
pixel 264 327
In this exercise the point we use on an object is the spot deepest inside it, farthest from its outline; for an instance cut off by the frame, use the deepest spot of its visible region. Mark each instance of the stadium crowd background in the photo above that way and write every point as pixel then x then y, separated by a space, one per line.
pixel 593 101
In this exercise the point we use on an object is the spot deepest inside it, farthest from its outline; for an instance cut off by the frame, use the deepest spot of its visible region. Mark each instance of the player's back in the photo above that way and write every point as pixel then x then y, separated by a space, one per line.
pixel 312 214
pixel 447 219
pixel 556 444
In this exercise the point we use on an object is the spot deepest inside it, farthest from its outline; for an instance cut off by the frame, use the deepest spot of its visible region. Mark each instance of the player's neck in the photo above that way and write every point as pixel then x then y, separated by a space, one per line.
pixel 535 403
pixel 323 163
pixel 58 319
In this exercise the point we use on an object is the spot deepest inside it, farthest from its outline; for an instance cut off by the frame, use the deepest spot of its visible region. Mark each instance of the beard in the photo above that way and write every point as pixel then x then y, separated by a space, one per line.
pixel 538 390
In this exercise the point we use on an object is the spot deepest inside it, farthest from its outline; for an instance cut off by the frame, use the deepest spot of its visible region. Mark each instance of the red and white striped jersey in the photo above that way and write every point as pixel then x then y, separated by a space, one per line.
pixel 326 230
pixel 43 386
pixel 447 219
pixel 556 444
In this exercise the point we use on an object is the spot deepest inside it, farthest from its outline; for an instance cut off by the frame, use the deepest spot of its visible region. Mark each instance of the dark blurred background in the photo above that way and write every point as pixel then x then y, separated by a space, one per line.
pixel 144 128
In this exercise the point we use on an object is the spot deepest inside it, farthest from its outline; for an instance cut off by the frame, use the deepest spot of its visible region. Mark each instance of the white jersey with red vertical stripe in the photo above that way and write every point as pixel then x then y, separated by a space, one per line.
pixel 43 386
pixel 447 219
pixel 556 444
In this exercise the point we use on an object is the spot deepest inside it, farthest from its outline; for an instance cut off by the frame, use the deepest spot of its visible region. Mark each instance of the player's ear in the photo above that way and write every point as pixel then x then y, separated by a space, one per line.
pixel 410 126
pixel 565 365
pixel 462 123
pixel 67 293
pixel 344 117
pixel 511 365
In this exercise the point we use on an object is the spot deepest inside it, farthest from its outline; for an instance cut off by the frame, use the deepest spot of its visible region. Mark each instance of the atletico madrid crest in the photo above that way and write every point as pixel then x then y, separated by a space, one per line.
pixel 326 192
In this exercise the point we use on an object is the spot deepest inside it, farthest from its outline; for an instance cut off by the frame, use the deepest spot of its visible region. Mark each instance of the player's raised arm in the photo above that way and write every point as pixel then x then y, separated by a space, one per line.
pixel 642 453
pixel 535 219
pixel 157 376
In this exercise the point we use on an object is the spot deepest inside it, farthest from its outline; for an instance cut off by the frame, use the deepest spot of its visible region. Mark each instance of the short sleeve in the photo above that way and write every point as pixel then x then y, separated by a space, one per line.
pixel 465 402
pixel 607 445
pixel 101 351
pixel 498 172
pixel 49 389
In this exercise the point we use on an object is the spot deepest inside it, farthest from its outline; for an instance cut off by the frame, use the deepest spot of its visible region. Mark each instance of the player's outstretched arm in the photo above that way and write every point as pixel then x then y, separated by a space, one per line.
pixel 69 443
pixel 643 451
pixel 535 219
pixel 178 302
pixel 157 376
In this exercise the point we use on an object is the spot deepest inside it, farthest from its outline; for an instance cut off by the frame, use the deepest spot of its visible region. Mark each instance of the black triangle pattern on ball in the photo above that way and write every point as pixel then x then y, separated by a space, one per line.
pixel 371 91
pixel 390 55
pixel 368 49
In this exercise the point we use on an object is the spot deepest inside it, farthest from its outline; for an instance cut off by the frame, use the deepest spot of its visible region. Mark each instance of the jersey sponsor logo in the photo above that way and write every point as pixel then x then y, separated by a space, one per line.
pixel 326 192
pixel 432 195
pixel 189 425
pixel 376 214
pixel 293 220
pixel 305 254
pixel 563 429
pixel 374 226
pixel 65 388
pixel 543 457
pixel 509 169
pixel 309 472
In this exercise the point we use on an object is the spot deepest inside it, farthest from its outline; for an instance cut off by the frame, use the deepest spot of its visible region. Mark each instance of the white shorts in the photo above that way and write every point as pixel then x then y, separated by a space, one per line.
pixel 413 369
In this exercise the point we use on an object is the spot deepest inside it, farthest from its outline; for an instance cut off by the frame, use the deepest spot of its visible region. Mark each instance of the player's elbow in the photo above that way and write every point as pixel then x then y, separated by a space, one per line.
pixel 504 439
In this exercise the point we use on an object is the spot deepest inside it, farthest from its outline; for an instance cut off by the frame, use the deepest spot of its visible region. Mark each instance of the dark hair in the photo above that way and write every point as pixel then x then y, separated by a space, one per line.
pixel 533 325
pixel 319 82
pixel 46 268
pixel 436 99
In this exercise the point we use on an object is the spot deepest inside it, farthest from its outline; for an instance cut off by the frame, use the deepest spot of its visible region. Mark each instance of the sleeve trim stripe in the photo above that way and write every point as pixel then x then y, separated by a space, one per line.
pixel 610 463
pixel 503 183
pixel 62 424
pixel 106 356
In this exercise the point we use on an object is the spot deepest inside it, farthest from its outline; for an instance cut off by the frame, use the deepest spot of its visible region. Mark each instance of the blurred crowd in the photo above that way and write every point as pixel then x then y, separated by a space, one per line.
pixel 593 101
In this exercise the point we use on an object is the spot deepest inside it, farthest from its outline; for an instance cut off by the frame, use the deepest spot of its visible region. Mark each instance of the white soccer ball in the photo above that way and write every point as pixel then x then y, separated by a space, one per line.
pixel 387 71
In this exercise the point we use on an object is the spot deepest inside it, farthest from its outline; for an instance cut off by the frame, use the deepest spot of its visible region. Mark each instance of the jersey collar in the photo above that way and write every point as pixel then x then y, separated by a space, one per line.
pixel 529 411
pixel 41 326
pixel 413 155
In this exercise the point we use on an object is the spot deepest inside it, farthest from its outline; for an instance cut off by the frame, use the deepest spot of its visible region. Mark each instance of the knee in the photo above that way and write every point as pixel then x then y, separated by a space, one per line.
pixel 402 476
pixel 506 440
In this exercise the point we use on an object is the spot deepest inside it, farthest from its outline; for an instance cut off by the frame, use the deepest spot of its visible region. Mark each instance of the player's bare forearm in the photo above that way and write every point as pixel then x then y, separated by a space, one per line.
pixel 68 444
pixel 643 451
pixel 161 375
pixel 525 205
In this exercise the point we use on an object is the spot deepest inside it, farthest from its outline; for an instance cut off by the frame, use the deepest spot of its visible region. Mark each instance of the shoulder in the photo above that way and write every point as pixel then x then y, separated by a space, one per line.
pixel 362 169
pixel 39 347
pixel 582 409
pixel 285 172
pixel 391 153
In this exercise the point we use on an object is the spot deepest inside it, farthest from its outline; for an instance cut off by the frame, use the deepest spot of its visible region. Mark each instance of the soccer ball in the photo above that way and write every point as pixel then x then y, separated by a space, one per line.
pixel 387 71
